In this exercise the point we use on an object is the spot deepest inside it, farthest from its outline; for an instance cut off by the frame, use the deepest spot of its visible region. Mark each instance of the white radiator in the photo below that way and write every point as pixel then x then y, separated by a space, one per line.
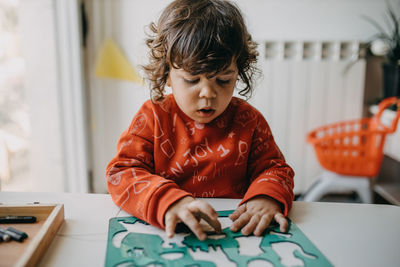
pixel 305 85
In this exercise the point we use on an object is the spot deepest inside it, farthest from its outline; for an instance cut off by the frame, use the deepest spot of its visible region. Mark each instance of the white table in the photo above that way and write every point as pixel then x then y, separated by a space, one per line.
pixel 347 234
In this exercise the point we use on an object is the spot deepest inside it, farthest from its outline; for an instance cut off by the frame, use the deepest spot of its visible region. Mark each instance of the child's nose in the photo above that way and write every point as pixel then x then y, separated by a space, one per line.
pixel 207 91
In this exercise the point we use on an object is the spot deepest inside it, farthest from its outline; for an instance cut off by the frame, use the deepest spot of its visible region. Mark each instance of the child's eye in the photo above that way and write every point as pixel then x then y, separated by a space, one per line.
pixel 191 81
pixel 223 81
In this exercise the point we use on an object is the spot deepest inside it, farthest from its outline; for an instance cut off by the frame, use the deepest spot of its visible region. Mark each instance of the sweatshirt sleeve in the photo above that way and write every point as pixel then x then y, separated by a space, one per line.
pixel 131 179
pixel 269 173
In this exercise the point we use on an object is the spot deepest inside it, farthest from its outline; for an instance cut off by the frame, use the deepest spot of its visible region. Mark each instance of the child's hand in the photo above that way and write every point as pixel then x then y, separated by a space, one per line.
pixel 255 215
pixel 189 211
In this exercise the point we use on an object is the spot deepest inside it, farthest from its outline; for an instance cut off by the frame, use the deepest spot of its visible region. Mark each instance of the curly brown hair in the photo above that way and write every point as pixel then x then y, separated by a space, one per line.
pixel 200 36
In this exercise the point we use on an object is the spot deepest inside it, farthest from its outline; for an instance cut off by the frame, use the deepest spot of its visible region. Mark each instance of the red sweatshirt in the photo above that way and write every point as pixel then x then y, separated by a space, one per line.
pixel 164 156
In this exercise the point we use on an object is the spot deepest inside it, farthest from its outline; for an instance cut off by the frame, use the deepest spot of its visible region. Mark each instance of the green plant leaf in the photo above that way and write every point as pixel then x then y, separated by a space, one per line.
pixel 376 25
pixel 391 35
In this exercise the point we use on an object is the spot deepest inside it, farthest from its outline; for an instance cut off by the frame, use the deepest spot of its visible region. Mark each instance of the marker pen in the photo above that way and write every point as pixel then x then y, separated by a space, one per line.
pixel 17 219
pixel 4 237
pixel 23 234
pixel 13 235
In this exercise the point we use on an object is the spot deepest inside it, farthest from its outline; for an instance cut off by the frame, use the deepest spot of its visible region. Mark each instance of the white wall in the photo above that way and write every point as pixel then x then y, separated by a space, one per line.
pixel 113 103
pixel 311 19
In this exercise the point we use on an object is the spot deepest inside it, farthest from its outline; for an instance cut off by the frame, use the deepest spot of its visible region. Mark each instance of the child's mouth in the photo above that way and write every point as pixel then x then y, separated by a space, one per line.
pixel 206 112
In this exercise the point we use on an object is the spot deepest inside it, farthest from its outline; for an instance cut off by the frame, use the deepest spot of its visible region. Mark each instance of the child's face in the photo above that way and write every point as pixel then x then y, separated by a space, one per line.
pixel 201 98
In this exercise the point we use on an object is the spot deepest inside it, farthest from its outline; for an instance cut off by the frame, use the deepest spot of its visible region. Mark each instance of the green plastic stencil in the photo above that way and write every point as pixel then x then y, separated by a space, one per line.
pixel 132 242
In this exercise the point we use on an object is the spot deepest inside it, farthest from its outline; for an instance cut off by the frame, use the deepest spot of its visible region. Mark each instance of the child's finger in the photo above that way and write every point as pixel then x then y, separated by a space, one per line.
pixel 213 222
pixel 239 211
pixel 206 211
pixel 280 218
pixel 251 225
pixel 243 219
pixel 170 225
pixel 188 218
pixel 263 224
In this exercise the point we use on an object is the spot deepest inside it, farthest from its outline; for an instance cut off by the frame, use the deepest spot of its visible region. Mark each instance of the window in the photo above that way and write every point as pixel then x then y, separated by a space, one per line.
pixel 14 109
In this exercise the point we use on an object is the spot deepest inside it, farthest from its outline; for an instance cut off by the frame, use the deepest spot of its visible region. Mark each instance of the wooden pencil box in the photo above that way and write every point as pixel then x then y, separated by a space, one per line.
pixel 49 218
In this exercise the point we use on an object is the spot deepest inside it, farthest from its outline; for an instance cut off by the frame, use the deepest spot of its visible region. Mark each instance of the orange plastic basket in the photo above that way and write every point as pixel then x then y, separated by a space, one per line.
pixel 354 147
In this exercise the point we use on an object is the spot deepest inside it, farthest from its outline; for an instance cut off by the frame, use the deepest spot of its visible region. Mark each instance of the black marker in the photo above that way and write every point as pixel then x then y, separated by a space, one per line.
pixel 17 219
pixel 23 234
pixel 13 235
pixel 4 237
